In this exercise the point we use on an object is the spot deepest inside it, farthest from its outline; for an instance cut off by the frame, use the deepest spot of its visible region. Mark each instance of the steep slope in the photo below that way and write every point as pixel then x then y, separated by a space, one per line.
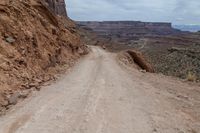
pixel 34 44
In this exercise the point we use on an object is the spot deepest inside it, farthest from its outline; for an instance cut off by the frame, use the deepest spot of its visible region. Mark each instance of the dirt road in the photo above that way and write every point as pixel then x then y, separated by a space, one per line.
pixel 100 96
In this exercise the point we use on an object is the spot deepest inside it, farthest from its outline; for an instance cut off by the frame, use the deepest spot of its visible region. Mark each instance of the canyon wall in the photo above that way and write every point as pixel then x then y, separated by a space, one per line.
pixel 128 29
pixel 58 6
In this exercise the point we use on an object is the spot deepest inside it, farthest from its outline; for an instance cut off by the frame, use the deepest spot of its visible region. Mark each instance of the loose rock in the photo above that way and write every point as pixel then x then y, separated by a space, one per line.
pixel 10 39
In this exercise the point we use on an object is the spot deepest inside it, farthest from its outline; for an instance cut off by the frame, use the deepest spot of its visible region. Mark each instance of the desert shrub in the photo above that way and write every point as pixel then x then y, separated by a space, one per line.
pixel 191 76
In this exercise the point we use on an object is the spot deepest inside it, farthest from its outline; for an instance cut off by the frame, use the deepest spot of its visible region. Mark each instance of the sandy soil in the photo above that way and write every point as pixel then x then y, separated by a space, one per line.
pixel 100 96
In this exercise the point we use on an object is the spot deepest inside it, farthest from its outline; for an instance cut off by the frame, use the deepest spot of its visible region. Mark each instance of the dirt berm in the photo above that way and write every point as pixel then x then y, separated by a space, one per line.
pixel 136 59
pixel 34 45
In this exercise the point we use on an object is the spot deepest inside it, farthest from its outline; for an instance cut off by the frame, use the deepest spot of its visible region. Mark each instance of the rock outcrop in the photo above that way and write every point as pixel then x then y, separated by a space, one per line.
pixel 58 6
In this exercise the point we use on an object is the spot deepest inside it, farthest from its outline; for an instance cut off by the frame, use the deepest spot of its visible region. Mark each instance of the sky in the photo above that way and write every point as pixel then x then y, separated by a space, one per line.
pixel 175 11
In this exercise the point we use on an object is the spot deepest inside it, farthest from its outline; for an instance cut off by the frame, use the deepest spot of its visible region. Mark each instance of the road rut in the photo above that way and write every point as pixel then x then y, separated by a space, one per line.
pixel 100 96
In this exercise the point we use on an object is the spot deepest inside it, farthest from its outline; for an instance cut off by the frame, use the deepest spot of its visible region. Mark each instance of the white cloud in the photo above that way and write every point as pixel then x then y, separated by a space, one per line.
pixel 144 10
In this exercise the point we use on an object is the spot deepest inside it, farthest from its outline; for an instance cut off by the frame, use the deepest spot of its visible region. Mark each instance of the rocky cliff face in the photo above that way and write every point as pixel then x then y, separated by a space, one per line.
pixel 35 44
pixel 128 29
pixel 58 6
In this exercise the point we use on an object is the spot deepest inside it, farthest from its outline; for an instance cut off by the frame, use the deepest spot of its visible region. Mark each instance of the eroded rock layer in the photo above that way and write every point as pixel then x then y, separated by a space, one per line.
pixel 128 29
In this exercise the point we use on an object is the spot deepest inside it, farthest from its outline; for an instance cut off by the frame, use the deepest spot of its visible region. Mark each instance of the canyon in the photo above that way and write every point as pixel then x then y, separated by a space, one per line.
pixel 171 52
pixel 128 29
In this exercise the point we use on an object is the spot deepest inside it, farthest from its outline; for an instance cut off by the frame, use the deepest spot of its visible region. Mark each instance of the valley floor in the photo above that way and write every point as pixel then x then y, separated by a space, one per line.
pixel 100 96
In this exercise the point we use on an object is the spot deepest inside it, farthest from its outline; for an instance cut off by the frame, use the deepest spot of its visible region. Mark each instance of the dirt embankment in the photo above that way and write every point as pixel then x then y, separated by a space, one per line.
pixel 34 45
pixel 135 59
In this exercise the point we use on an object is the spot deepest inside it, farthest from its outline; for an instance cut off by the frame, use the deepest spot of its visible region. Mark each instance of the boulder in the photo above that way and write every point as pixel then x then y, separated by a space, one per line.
pixel 14 98
pixel 10 39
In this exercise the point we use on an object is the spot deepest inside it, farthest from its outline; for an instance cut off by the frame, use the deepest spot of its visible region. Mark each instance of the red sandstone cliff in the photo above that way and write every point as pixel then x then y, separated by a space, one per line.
pixel 58 6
